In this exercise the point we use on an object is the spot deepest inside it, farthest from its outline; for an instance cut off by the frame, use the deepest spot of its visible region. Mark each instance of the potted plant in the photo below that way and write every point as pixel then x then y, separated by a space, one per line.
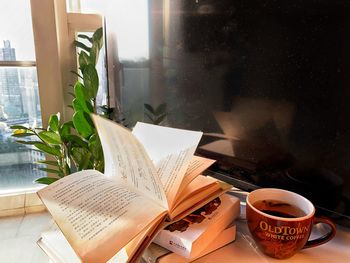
pixel 73 145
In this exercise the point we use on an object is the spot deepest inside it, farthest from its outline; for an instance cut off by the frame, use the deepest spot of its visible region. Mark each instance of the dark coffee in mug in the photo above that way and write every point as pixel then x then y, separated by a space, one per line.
pixel 281 222
pixel 278 208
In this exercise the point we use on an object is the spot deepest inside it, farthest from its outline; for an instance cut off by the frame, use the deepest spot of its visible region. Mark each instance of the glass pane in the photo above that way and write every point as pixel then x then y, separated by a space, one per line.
pixel 16 30
pixel 127 23
pixel 19 105
pixel 73 6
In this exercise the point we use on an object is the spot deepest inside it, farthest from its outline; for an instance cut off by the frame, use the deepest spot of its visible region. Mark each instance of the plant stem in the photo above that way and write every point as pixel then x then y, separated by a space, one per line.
pixel 94 105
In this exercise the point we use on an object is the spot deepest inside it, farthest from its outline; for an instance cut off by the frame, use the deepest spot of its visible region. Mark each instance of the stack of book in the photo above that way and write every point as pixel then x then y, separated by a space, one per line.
pixel 152 186
pixel 198 234
pixel 205 230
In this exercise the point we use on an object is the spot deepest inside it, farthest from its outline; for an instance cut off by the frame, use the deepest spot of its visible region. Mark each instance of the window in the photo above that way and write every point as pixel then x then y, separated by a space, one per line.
pixel 128 45
pixel 19 96
pixel 35 78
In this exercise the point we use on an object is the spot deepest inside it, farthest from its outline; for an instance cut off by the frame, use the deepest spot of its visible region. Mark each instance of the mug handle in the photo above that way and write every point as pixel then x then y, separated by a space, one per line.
pixel 325 238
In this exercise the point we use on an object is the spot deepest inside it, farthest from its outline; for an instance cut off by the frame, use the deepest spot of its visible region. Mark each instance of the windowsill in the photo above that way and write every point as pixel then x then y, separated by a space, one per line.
pixel 19 236
pixel 20 201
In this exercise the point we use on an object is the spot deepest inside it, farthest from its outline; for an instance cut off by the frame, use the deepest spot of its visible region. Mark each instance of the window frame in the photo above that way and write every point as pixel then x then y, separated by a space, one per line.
pixel 20 201
pixel 54 31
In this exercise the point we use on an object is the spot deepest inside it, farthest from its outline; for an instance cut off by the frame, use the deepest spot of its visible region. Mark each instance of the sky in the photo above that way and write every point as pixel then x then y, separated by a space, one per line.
pixel 16 26
pixel 127 21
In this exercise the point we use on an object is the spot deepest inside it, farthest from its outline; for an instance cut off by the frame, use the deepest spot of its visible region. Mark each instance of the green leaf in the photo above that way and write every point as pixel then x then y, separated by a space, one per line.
pixel 82 106
pixel 98 37
pixel 91 80
pixel 54 163
pixel 76 140
pixel 96 147
pixel 54 122
pixel 46 180
pixel 84 60
pixel 66 128
pixel 81 157
pixel 149 108
pixel 85 37
pixel 94 53
pixel 50 137
pixel 69 124
pixel 81 92
pixel 81 45
pixel 161 109
pixel 24 134
pixel 77 106
pixel 28 142
pixel 83 123
pixel 84 164
pixel 18 127
pixel 60 174
pixel 47 149
pixel 80 103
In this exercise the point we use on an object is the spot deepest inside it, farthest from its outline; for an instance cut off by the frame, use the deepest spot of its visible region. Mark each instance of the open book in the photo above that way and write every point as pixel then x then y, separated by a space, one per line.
pixel 152 178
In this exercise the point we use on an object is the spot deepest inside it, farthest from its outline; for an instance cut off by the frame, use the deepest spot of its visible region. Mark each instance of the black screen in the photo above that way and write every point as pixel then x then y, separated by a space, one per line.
pixel 268 83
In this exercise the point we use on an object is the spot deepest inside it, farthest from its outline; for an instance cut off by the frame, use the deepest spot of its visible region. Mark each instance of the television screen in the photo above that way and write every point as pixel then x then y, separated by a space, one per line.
pixel 268 82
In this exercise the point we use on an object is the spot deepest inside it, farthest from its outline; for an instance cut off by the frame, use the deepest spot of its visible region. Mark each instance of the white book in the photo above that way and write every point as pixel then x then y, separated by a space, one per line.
pixel 57 248
pixel 157 254
pixel 191 235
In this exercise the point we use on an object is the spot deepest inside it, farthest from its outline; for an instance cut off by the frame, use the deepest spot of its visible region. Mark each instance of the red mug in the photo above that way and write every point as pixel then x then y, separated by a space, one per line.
pixel 281 222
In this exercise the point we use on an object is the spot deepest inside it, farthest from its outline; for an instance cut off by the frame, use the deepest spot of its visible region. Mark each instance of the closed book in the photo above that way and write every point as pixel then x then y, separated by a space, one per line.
pixel 57 248
pixel 191 235
pixel 157 254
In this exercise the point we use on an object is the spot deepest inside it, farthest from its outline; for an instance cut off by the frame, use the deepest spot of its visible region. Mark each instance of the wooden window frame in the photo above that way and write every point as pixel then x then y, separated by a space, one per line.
pixel 54 33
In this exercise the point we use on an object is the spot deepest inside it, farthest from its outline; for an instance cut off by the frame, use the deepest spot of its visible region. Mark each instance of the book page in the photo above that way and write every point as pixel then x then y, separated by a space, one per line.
pixel 198 194
pixel 132 252
pixel 127 161
pixel 171 170
pixel 196 186
pixel 171 150
pixel 195 168
pixel 97 216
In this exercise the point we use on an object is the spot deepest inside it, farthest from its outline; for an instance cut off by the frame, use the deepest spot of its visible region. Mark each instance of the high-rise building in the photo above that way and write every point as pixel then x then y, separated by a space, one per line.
pixel 19 104
pixel 10 91
pixel 7 53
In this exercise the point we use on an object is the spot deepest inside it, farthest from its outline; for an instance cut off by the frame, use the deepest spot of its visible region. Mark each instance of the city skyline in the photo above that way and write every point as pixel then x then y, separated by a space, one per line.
pixel 19 104
pixel 18 88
